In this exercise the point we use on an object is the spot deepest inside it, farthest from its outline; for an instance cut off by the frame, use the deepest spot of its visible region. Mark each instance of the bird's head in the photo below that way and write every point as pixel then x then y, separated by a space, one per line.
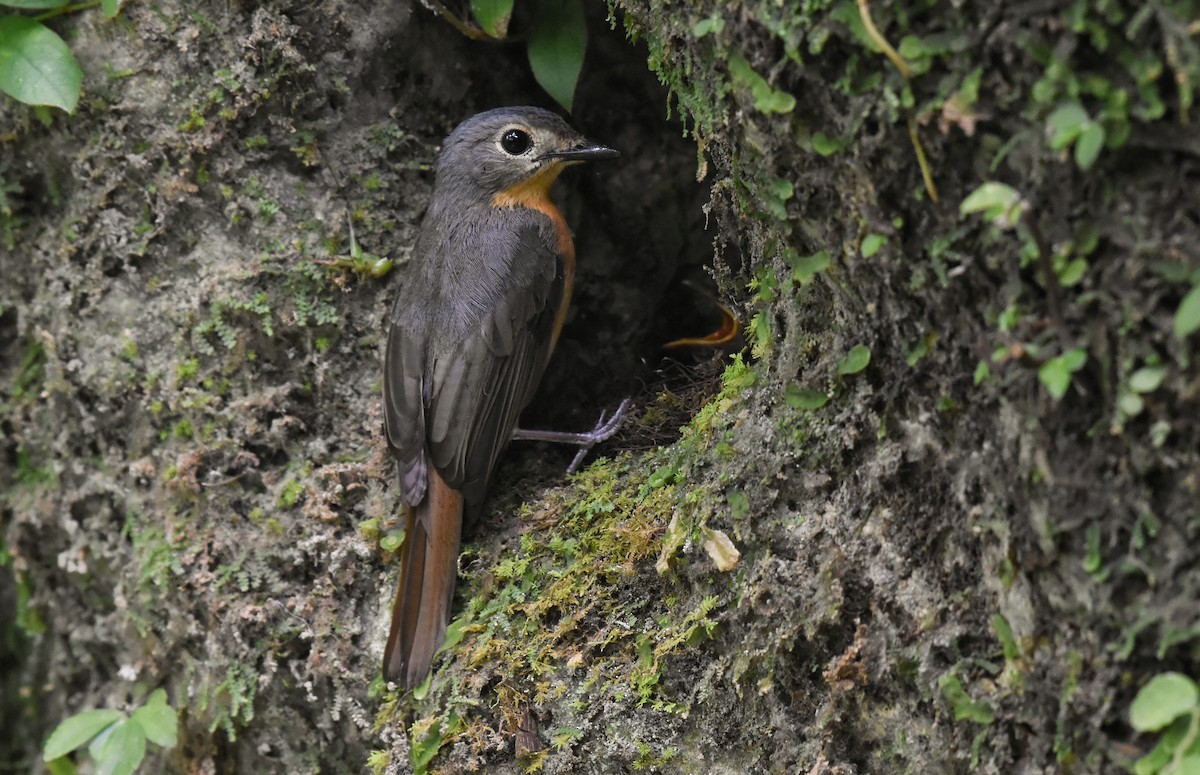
pixel 507 150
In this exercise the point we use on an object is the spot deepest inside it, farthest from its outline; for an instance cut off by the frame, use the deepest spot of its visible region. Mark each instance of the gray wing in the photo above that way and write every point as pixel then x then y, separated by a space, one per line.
pixel 454 388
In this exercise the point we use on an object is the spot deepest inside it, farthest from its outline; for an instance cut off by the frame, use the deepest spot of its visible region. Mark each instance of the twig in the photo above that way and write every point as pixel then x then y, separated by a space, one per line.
pixel 864 13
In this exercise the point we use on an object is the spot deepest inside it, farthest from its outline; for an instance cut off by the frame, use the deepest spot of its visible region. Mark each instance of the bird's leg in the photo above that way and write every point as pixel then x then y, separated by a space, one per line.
pixel 585 441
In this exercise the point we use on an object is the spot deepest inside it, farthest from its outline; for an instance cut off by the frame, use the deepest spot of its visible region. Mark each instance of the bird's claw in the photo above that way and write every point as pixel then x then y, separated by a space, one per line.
pixel 602 432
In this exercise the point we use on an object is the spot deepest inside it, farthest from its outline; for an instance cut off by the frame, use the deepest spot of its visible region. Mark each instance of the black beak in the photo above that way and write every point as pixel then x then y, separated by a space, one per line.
pixel 584 153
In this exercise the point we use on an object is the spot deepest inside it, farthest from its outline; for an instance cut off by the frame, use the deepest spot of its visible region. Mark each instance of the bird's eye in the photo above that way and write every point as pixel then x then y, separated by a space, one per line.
pixel 515 142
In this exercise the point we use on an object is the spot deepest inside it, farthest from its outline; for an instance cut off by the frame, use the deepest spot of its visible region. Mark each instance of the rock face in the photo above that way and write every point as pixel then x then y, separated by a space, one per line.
pixel 941 517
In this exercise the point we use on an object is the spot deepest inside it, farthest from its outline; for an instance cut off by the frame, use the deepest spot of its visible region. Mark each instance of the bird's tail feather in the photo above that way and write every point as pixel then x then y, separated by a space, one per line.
pixel 428 571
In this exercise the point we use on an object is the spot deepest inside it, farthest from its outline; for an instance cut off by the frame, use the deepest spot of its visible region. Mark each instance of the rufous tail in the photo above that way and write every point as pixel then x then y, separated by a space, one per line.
pixel 428 571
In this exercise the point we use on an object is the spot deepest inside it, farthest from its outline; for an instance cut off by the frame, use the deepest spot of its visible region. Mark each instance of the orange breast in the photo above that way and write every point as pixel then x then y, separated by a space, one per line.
pixel 534 194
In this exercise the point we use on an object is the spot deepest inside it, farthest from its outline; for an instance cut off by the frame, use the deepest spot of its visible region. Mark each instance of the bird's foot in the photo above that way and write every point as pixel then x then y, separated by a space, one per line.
pixel 603 431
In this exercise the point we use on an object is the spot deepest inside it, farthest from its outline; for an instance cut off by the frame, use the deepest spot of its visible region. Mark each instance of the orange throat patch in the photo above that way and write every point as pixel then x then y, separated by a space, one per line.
pixel 534 194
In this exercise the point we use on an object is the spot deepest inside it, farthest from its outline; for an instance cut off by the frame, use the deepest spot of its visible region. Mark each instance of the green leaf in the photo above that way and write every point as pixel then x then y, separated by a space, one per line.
pixel 766 99
pixel 422 750
pixel 1130 404
pixel 159 720
pixel 61 766
pixel 1187 317
pixel 855 361
pixel 392 541
pixel 123 751
pixel 781 188
pixel 1160 756
pixel 110 7
pixel 1066 122
pixel 805 268
pixel 1147 379
pixel 76 730
pixel 964 707
pixel 999 203
pixel 493 16
pixel 1072 273
pixel 1166 697
pixel 1088 145
pixel 920 349
pixel 455 633
pixel 1189 765
pixel 713 24
pixel 557 44
pixel 36 67
pixel 871 244
pixel 775 101
pixel 1056 373
pixel 802 398
pixel 739 504
pixel 1008 643
pixel 1074 358
pixel 825 145
pixel 32 4
pixel 661 477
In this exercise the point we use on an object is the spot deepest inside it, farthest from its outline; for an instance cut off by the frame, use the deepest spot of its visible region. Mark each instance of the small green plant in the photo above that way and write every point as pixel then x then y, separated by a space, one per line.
pixel 854 361
pixel 116 741
pixel 1170 703
pixel 556 43
pixel 766 98
pixel 1070 125
pixel 358 261
pixel 1000 204
pixel 961 703
pixel 1056 373
pixel 36 66
pixel 1187 317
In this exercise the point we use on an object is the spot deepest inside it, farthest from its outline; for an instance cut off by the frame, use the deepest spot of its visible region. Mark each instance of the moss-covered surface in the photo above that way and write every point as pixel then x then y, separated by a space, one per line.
pixel 932 564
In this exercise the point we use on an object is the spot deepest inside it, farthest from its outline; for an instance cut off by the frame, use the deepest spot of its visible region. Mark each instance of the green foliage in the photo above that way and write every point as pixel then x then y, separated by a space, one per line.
pixel 233 699
pixel 1170 703
pixel 557 45
pixel 556 42
pixel 290 494
pixel 871 244
pixel 36 66
pixel 427 738
pixel 713 25
pixel 493 16
pixel 998 203
pixel 358 261
pixel 805 268
pixel 1187 317
pixel 804 398
pixel 31 372
pixel 854 361
pixel 1070 125
pixel 1056 373
pixel 766 98
pixel 116 741
pixel 1164 698
pixel 777 192
pixel 961 703
pixel 825 145
pixel 219 321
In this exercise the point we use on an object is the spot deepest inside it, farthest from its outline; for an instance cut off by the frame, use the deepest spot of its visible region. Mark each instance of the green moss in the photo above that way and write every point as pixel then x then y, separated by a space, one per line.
pixel 187 369
pixel 230 703
pixel 289 494
pixel 560 600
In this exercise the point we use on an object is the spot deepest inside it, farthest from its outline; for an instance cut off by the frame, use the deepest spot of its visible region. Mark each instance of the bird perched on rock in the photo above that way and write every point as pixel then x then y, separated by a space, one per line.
pixel 469 336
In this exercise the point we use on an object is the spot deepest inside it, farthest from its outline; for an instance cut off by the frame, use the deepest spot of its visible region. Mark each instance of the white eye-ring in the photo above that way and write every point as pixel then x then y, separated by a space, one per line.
pixel 515 142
